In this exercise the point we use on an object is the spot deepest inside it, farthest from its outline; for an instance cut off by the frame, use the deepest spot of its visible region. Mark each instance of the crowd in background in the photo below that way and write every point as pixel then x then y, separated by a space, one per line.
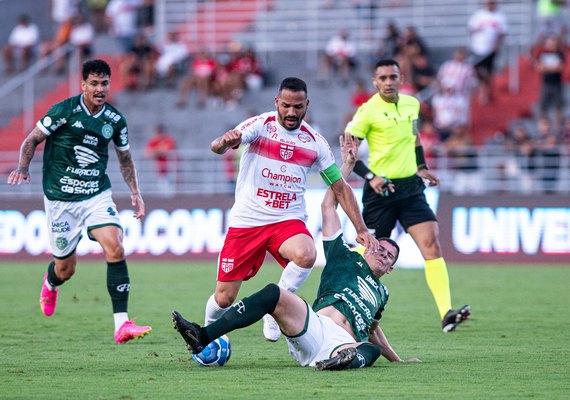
pixel 446 89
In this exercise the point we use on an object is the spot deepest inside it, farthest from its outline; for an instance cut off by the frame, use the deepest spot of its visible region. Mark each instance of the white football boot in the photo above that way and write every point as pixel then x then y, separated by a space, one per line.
pixel 271 330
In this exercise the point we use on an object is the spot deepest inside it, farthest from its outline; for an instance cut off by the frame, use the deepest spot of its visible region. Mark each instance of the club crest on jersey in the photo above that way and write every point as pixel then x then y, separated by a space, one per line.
pixel 227 264
pixel 107 131
pixel 61 242
pixel 286 151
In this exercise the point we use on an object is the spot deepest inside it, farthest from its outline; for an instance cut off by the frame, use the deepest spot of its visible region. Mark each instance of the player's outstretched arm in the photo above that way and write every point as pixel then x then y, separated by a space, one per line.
pixel 231 138
pixel 27 150
pixel 129 173
pixel 345 197
pixel 377 336
pixel 331 220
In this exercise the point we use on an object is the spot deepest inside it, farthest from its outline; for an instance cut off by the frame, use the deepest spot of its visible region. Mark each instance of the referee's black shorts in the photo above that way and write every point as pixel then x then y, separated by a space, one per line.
pixel 407 204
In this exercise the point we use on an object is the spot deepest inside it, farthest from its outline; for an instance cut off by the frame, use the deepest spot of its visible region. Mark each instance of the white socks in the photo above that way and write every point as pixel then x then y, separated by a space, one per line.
pixel 120 318
pixel 293 277
pixel 213 311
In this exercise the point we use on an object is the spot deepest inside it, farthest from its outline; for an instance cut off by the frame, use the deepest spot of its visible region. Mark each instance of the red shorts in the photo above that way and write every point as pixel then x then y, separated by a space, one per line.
pixel 244 248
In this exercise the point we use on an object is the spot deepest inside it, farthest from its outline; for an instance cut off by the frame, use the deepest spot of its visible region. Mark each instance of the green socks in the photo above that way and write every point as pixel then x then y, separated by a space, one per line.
pixel 243 313
pixel 52 277
pixel 366 355
pixel 118 284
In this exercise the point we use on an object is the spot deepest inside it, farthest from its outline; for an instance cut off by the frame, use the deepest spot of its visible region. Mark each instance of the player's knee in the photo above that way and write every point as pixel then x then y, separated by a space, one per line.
pixel 305 257
pixel 114 251
pixel 224 299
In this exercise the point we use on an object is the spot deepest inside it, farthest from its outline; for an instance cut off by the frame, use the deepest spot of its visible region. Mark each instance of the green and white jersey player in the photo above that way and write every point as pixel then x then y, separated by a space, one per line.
pixel 77 190
pixel 77 148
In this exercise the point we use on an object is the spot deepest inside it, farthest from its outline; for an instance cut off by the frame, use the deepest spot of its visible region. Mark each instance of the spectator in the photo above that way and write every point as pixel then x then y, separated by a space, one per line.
pixel 550 63
pixel 431 143
pixel 411 45
pixel 450 110
pixel 547 150
pixel 423 73
pixel 62 14
pixel 522 146
pixel 161 148
pixel 145 17
pixel 458 74
pixel 389 46
pixel 62 11
pixel 463 162
pixel 200 77
pixel 359 96
pixel 138 66
pixel 550 18
pixel 96 10
pixel 565 133
pixel 246 69
pixel 339 56
pixel 172 54
pixel 488 28
pixel 122 19
pixel 82 36
pixel 23 40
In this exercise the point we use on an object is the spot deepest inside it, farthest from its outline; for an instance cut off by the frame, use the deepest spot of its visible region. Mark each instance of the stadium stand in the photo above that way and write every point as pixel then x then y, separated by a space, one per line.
pixel 289 37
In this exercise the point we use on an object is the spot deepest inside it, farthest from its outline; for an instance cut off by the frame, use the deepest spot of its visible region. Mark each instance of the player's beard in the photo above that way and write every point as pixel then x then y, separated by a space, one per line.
pixel 297 121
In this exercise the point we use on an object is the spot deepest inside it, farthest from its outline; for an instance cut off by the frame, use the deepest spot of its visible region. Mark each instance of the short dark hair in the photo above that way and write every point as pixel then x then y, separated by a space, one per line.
pixel 386 62
pixel 96 67
pixel 393 243
pixel 293 84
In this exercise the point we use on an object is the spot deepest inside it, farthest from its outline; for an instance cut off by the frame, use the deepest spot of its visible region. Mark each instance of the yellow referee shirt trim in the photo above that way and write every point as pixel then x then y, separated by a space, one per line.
pixel 388 128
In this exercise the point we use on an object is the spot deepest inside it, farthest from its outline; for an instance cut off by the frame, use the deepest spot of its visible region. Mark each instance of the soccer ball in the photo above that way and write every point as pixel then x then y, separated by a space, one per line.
pixel 216 354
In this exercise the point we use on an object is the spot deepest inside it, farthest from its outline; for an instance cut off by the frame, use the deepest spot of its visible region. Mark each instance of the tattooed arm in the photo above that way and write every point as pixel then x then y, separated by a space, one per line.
pixel 129 173
pixel 27 150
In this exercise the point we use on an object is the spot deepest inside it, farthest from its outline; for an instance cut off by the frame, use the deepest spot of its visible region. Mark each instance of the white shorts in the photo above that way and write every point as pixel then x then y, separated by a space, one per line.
pixel 318 340
pixel 66 219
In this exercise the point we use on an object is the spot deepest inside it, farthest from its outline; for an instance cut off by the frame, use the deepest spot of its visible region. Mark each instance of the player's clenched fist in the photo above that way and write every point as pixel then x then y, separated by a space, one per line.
pixel 230 139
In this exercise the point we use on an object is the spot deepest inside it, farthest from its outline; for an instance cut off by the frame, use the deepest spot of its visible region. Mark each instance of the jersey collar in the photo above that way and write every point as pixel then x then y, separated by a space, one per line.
pixel 87 109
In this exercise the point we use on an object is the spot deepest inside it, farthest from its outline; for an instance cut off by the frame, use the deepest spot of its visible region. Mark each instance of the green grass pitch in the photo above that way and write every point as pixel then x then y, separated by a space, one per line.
pixel 515 346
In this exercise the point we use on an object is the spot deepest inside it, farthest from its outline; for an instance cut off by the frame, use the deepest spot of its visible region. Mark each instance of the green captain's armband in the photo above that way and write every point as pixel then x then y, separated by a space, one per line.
pixel 331 174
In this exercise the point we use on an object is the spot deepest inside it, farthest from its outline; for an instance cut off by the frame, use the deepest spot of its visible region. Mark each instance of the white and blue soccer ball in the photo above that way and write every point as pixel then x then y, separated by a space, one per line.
pixel 216 354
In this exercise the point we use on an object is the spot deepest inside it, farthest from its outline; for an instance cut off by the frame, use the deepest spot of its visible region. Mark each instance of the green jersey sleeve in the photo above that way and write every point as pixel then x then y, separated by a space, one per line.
pixel 56 117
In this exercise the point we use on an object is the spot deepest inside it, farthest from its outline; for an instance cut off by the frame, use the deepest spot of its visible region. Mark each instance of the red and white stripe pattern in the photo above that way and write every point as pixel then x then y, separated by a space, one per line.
pixel 273 171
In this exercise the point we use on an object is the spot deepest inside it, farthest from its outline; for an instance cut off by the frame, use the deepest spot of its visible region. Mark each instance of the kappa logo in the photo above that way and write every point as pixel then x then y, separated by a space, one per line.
pixel 366 292
pixel 78 124
pixel 111 211
pixel 227 264
pixel 286 151
pixel 124 287
pixel 85 156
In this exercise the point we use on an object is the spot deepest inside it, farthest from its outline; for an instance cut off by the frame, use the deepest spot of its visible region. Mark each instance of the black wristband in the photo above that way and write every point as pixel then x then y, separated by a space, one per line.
pixel 362 170
pixel 421 158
